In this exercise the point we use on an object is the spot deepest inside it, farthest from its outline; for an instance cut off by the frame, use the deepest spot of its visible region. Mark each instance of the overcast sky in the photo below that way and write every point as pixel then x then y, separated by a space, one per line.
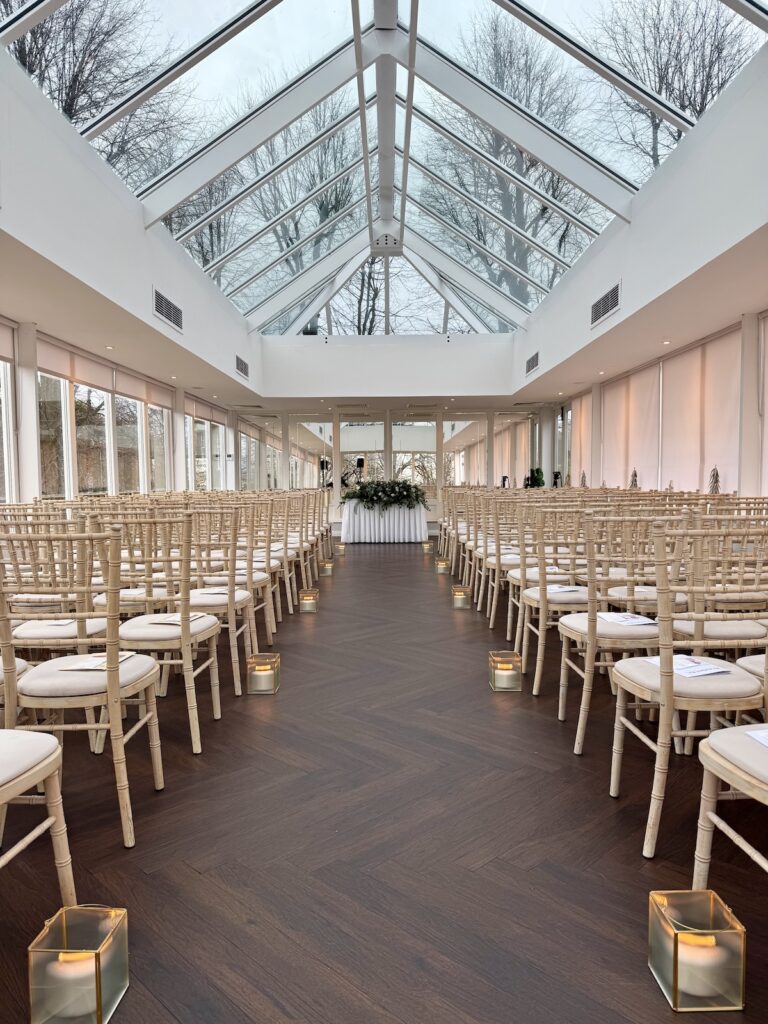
pixel 298 32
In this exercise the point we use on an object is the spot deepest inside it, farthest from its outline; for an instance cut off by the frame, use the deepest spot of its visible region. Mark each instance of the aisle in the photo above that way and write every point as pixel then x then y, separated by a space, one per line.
pixel 386 842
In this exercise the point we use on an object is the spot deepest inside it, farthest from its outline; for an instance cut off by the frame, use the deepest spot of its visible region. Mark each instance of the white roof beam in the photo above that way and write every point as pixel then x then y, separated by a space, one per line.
pixel 131 101
pixel 325 296
pixel 529 240
pixel 467 280
pixel 615 76
pixel 385 20
pixel 452 300
pixel 363 109
pixel 412 40
pixel 525 129
pixel 311 278
pixel 751 10
pixel 25 18
pixel 499 168
pixel 193 172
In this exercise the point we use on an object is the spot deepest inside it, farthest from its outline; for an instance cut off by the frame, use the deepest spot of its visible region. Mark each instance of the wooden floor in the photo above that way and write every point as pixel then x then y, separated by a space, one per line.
pixel 384 842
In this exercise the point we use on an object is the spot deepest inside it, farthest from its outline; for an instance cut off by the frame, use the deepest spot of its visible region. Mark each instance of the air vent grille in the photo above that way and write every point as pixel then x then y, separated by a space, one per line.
pixel 168 310
pixel 242 367
pixel 605 304
pixel 532 363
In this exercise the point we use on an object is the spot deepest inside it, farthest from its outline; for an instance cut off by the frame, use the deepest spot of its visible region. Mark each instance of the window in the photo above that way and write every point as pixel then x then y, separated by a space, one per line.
pixel 6 458
pixel 128 416
pixel 202 476
pixel 91 417
pixel 218 458
pixel 51 410
pixel 158 433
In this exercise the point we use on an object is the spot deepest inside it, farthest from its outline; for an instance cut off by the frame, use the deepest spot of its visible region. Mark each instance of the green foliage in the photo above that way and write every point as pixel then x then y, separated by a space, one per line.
pixel 386 494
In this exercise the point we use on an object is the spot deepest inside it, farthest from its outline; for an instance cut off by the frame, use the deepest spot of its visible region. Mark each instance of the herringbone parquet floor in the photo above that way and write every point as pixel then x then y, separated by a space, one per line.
pixel 385 842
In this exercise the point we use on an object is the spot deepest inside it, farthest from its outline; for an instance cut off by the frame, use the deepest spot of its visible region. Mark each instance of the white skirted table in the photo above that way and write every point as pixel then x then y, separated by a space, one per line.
pixel 395 525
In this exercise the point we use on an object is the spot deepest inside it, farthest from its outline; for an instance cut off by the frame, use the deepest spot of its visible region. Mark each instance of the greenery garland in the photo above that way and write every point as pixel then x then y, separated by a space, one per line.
pixel 383 494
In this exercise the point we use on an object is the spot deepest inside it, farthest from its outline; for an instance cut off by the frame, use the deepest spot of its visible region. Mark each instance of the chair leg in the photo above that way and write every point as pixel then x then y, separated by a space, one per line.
pixel 234 654
pixel 121 775
pixel 510 613
pixel 563 698
pixel 660 773
pixel 213 668
pixel 690 725
pixel 101 734
pixel 494 603
pixel 709 790
pixel 480 584
pixel 90 717
pixel 586 698
pixel 278 601
pixel 153 731
pixel 526 637
pixel 520 621
pixel 541 648
pixel 61 855
pixel 189 688
pixel 3 816
pixel 251 636
pixel 618 741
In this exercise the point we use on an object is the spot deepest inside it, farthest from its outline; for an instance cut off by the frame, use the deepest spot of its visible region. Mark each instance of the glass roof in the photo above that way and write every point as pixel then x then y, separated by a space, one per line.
pixel 523 130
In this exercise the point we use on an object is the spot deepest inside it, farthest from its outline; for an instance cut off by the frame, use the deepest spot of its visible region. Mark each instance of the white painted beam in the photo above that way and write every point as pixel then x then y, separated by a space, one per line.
pixel 328 292
pixel 451 298
pixel 385 20
pixel 25 18
pixel 752 10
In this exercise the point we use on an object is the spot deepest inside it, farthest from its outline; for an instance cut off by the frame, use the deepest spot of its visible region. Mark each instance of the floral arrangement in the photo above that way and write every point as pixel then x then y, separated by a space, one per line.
pixel 384 494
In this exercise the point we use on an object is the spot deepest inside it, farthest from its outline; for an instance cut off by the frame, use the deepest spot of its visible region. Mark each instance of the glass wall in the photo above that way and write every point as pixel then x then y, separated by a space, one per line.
pixel 52 424
pixel 159 434
pixel 464 450
pixel 414 451
pixel 127 444
pixel 92 411
pixel 362 452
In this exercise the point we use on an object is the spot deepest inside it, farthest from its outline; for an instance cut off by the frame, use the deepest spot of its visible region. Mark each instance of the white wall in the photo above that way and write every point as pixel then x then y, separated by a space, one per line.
pixel 62 201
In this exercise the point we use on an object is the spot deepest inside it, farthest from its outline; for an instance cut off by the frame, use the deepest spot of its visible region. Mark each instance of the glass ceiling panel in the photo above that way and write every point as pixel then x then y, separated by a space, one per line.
pixel 300 258
pixel 283 321
pixel 485 266
pixel 485 229
pixel 414 305
pixel 288 234
pixel 358 307
pixel 495 323
pixel 485 138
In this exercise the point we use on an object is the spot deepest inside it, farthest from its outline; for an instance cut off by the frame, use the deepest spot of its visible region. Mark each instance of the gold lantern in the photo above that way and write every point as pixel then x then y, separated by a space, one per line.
pixel 442 566
pixel 426 547
pixel 309 600
pixel 326 567
pixel 505 670
pixel 462 597
pixel 262 673
pixel 341 549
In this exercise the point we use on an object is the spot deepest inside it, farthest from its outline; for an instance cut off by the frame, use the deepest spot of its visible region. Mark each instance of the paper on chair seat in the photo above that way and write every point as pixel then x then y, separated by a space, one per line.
pixel 96 662
pixel 626 618
pixel 689 667
pixel 175 619
pixel 761 735
pixel 561 588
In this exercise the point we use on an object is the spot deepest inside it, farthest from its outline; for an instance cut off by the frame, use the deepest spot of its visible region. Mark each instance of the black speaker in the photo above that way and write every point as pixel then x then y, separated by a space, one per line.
pixel 360 462
pixel 325 464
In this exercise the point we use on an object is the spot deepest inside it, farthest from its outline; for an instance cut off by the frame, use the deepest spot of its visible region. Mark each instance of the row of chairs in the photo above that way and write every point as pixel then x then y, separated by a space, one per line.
pixel 108 599
pixel 631 582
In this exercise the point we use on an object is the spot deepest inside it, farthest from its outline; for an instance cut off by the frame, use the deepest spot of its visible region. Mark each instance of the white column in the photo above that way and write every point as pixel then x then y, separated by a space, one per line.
pixel 262 461
pixel 750 427
pixel 596 437
pixel 285 458
pixel 439 457
pixel 490 449
pixel 547 442
pixel 336 463
pixel 232 454
pixel 388 463
pixel 27 420
pixel 179 451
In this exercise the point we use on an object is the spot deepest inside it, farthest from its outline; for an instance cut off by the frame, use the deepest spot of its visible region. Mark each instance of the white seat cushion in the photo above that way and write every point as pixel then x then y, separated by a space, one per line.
pixel 44 629
pixel 553 575
pixel 55 679
pixel 205 598
pixel 742 750
pixel 729 685
pixel 740 596
pixel 20 751
pixel 725 629
pixel 578 596
pixel 151 627
pixel 131 595
pixel 21 668
pixel 642 595
pixel 754 664
pixel 607 630
pixel 261 565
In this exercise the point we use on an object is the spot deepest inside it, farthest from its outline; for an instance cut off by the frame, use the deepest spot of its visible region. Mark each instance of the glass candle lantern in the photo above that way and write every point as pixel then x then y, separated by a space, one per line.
pixel 326 567
pixel 309 600
pixel 78 966
pixel 462 597
pixel 426 547
pixel 696 950
pixel 262 673
pixel 341 549
pixel 505 670
pixel 442 566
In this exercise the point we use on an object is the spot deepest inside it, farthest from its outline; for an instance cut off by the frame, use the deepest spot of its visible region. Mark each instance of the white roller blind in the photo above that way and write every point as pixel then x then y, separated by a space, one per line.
pixel 53 359
pixel 142 390
pixel 581 438
pixel 721 398
pixel 643 426
pixel 6 341
pixel 615 434
pixel 681 419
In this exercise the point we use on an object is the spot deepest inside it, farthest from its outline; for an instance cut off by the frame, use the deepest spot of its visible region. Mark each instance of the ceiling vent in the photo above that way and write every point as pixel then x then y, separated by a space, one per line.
pixel 168 311
pixel 604 306
pixel 532 363
pixel 242 367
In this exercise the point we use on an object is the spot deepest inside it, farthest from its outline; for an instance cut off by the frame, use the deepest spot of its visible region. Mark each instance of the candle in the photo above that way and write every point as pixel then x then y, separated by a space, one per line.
pixel 71 983
pixel 699 964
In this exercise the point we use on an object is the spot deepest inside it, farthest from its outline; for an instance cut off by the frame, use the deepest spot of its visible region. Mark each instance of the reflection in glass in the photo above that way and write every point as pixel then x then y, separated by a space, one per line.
pixel 159 436
pixel 200 455
pixel 51 409
pixel 91 439
pixel 127 418
pixel 218 457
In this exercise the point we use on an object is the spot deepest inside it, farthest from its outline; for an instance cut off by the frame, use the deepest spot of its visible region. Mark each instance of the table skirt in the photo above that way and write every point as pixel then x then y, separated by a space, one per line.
pixel 372 526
